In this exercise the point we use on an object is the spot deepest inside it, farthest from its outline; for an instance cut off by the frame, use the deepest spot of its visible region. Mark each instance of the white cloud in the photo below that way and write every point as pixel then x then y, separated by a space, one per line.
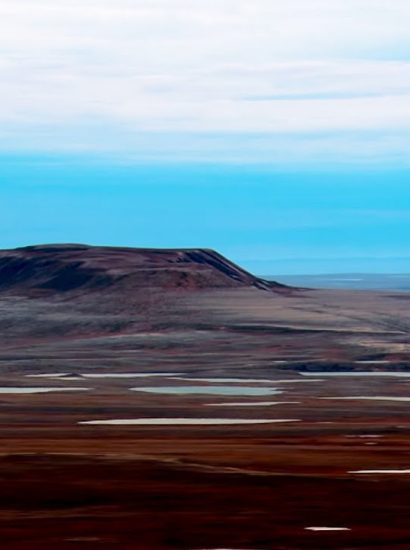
pixel 217 67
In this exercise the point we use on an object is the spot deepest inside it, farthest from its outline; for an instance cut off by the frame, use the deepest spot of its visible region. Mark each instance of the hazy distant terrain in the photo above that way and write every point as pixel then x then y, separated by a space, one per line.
pixel 358 281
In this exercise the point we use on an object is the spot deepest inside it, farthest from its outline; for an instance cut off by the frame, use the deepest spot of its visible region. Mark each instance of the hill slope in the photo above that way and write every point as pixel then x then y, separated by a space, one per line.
pixel 51 269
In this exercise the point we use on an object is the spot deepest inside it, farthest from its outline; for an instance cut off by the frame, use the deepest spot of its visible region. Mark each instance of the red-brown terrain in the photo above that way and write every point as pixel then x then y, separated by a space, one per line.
pixel 72 313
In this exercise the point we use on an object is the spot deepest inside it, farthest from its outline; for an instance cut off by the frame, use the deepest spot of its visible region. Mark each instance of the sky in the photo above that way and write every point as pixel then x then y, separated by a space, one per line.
pixel 275 132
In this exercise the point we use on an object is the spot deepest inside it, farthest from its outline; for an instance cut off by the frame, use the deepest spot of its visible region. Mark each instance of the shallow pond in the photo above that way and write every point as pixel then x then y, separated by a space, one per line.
pixel 209 390
pixel 16 390
pixel 244 380
pixel 253 404
pixel 390 472
pixel 351 373
pixel 366 398
pixel 71 376
pixel 327 529
pixel 130 375
pixel 184 421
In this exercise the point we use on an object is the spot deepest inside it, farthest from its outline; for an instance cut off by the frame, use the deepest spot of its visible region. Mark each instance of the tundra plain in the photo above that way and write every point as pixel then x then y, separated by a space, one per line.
pixel 299 458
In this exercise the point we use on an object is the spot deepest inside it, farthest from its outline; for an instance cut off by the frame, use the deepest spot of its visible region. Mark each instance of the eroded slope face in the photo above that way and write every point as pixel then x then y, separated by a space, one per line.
pixel 63 268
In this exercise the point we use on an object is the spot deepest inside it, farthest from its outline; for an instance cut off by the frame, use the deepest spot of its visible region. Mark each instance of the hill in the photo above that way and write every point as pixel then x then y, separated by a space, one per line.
pixel 62 268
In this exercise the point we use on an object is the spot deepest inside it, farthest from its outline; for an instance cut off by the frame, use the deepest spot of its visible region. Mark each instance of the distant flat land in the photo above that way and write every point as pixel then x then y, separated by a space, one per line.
pixel 353 281
pixel 140 457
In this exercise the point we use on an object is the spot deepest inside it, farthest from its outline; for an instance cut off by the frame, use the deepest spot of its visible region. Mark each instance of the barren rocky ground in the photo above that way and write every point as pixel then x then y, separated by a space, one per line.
pixel 253 352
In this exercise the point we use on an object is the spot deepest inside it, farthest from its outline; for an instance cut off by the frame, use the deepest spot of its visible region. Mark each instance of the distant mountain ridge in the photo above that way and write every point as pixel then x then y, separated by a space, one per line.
pixel 62 268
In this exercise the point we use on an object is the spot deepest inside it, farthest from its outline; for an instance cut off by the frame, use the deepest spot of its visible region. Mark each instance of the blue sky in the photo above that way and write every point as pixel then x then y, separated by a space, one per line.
pixel 269 221
pixel 275 132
